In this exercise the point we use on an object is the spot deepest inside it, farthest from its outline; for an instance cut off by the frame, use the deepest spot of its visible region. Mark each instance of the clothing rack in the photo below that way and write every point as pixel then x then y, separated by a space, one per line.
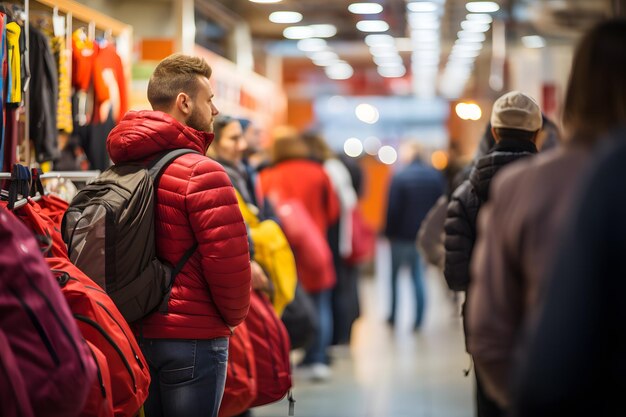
pixel 78 176
pixel 94 20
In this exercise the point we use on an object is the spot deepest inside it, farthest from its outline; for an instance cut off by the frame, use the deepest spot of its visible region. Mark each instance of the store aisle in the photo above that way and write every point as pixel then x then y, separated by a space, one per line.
pixel 392 373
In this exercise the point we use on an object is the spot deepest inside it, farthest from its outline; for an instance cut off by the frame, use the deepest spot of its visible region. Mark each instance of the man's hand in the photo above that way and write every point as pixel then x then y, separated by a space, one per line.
pixel 260 281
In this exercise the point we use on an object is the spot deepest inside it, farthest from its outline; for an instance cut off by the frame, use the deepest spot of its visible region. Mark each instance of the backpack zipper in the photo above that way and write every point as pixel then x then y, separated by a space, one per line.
pixel 38 327
pixel 123 332
pixel 64 329
pixel 99 373
pixel 108 338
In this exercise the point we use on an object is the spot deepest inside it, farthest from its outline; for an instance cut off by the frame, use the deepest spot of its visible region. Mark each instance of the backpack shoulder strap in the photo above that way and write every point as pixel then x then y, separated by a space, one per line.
pixel 158 164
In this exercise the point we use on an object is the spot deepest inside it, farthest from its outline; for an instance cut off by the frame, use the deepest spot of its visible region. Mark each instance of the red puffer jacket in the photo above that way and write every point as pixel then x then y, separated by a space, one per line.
pixel 195 202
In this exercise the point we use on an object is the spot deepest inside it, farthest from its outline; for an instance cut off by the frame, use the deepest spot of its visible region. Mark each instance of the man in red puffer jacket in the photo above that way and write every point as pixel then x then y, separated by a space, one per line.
pixel 187 348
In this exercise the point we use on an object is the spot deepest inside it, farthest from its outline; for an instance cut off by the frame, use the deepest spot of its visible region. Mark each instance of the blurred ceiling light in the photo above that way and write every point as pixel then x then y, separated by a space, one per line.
pixel 439 160
pixel 323 31
pixel 339 71
pixel 387 155
pixel 372 26
pixel 479 17
pixel 425 35
pixel 372 144
pixel 383 51
pixel 482 7
pixel 467 46
pixel 266 1
pixel 285 17
pixel 353 147
pixel 432 25
pixel 474 26
pixel 323 56
pixel 468 111
pixel 379 40
pixel 298 32
pixel 312 45
pixel 422 6
pixel 388 60
pixel 423 17
pixel 367 113
pixel 326 63
pixel 391 72
pixel 471 36
pixel 533 41
pixel 365 8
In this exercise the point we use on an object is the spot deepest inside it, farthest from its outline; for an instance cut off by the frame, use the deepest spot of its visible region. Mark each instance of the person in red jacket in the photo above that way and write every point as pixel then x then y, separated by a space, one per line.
pixel 187 348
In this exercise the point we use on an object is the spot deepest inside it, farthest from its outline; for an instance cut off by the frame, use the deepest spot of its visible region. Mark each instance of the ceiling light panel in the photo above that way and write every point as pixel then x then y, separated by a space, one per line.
pixel 323 30
pixel 312 45
pixel 482 7
pixel 285 17
pixel 365 8
pixel 422 6
pixel 298 32
pixel 372 26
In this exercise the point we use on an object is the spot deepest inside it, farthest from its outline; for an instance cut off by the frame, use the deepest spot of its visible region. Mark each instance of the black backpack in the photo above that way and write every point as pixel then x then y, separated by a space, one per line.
pixel 109 231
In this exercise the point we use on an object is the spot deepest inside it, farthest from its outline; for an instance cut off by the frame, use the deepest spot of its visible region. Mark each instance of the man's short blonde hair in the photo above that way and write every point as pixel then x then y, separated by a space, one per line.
pixel 176 74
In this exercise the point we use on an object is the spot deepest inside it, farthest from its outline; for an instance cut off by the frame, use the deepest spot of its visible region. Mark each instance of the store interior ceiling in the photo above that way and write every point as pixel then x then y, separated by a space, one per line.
pixel 426 50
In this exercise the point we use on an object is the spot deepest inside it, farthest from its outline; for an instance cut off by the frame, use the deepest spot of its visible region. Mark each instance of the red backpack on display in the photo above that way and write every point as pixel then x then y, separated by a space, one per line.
pixel 241 384
pixel 45 229
pixel 100 398
pixel 13 397
pixel 314 260
pixel 102 324
pixel 54 361
pixel 270 343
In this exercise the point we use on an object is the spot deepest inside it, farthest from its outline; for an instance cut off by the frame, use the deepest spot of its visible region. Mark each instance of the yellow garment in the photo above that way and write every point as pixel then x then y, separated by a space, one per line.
pixel 273 253
pixel 64 103
pixel 14 60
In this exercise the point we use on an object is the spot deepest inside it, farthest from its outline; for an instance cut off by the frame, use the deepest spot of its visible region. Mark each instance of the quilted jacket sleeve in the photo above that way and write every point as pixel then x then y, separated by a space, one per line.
pixel 460 236
pixel 217 223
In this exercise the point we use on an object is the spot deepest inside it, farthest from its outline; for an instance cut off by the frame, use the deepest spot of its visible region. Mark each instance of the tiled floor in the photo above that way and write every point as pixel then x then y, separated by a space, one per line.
pixel 392 373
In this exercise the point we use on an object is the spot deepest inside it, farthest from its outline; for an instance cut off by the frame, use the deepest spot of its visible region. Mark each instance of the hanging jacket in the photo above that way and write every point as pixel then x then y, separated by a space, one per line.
pixel 44 89
pixel 195 203
pixel 460 224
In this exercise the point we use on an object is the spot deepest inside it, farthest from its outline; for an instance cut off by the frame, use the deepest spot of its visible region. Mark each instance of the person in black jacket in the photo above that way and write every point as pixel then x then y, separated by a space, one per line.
pixel 516 121
pixel 413 191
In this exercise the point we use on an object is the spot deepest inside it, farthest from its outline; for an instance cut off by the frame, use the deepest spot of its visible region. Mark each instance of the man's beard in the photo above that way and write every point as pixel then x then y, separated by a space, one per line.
pixel 197 122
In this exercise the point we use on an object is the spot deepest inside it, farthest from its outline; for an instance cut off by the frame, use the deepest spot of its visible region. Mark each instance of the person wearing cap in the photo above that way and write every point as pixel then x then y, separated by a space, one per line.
pixel 519 232
pixel 516 121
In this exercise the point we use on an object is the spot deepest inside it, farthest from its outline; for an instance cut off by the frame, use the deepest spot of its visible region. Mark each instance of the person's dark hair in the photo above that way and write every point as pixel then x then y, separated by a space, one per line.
pixel 596 93
pixel 176 74
pixel 514 133
pixel 219 124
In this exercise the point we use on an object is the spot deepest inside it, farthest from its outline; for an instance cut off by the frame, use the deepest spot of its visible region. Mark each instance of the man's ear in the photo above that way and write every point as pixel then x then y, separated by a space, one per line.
pixel 496 138
pixel 184 104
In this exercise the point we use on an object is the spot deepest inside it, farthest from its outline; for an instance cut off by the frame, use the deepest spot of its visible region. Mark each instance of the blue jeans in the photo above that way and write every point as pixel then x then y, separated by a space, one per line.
pixel 316 352
pixel 188 376
pixel 405 253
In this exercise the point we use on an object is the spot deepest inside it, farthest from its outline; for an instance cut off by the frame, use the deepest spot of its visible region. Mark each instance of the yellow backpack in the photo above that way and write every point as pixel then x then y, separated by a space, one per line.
pixel 273 253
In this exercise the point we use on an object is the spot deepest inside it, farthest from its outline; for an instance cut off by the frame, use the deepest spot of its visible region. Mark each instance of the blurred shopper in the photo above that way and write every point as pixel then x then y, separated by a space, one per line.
pixel 187 348
pixel 574 363
pixel 413 191
pixel 228 149
pixel 516 121
pixel 295 176
pixel 345 297
pixel 520 226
